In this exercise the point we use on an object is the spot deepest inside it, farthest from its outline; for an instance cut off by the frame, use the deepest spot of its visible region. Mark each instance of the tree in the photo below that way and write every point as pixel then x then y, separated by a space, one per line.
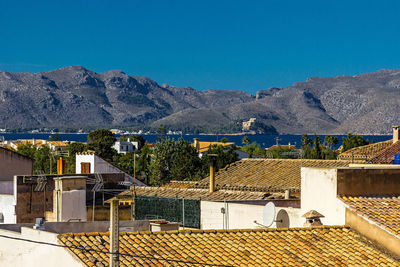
pixel 306 146
pixel 254 149
pixel 316 152
pixel 225 156
pixel 352 141
pixel 101 141
pixel 174 160
pixel 224 140
pixel 246 140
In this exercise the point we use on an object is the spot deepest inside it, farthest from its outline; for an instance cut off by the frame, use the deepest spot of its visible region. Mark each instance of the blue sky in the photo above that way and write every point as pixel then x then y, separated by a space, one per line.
pixel 241 45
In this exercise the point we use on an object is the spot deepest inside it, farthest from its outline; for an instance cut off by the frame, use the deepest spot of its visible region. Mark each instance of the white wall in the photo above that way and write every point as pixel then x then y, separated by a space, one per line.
pixel 15 253
pixel 98 165
pixel 7 207
pixel 73 205
pixel 241 216
pixel 237 216
pixel 319 192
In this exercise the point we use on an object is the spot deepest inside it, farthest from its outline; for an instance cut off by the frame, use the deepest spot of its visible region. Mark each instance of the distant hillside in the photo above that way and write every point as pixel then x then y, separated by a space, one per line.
pixel 366 103
pixel 75 97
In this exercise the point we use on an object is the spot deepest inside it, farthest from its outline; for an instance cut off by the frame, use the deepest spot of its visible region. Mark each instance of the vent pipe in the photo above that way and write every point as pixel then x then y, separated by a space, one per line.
pixel 114 233
pixel 212 158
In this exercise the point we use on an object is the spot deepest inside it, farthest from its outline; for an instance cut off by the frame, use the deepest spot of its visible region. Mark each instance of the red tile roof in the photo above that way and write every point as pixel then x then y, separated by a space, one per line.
pixel 386 156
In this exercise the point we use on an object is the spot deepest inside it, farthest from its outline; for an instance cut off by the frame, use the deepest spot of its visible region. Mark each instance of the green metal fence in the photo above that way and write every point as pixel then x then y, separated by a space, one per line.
pixel 184 211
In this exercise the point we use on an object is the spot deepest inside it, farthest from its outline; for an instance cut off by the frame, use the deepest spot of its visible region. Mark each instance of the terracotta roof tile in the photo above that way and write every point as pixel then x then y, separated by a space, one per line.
pixel 266 174
pixel 385 211
pixel 364 153
pixel 386 156
pixel 179 184
pixel 256 247
pixel 203 194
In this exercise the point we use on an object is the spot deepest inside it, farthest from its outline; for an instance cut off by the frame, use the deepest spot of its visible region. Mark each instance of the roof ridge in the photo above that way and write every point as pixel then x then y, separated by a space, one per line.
pixel 211 231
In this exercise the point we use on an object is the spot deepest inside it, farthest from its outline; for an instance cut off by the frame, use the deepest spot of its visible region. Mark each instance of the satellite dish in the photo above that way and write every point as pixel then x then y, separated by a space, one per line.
pixel 282 219
pixel 269 214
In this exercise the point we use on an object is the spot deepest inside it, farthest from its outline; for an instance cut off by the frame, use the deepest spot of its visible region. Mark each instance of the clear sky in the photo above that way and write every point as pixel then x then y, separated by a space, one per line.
pixel 217 44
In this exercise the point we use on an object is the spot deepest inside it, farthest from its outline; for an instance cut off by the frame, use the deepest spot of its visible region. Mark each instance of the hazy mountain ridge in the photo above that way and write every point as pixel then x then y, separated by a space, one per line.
pixel 77 97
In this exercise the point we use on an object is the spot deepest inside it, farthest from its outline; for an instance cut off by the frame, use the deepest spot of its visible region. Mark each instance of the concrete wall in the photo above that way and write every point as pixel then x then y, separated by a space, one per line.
pixel 7 207
pixel 368 181
pixel 73 205
pixel 239 216
pixel 319 192
pixel 18 253
pixel 12 163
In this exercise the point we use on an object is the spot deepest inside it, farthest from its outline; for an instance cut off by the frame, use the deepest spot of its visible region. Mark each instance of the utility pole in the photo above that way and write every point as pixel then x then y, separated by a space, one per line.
pixel 114 233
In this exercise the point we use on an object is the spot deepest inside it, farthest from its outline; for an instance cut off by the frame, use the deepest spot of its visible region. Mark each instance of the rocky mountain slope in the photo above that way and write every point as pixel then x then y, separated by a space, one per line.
pixel 367 103
pixel 77 97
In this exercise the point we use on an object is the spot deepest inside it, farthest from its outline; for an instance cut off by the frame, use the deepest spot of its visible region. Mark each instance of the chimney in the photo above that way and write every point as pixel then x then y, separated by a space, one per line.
pixel 114 233
pixel 60 166
pixel 163 225
pixel 212 171
pixel 395 133
pixel 313 218
pixel 69 198
pixel 287 194
pixel 196 144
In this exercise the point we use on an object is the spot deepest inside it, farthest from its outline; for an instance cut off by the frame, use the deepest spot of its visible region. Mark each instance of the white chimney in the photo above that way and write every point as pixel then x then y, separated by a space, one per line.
pixel 395 134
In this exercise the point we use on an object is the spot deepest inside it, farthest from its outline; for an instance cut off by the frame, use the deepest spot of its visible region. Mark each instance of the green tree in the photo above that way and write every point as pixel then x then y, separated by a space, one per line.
pixel 225 156
pixel 174 160
pixel 101 141
pixel 27 150
pixel 316 152
pixel 254 149
pixel 246 140
pixel 306 146
pixel 353 140
pixel 224 140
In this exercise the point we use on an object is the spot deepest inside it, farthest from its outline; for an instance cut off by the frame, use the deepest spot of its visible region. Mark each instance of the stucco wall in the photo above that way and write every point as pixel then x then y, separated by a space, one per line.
pixel 12 163
pixel 240 216
pixel 17 253
pixel 7 207
pixel 73 205
pixel 368 181
pixel 319 192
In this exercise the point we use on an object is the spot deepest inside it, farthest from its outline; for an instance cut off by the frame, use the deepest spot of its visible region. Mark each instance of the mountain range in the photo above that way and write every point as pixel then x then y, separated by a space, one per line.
pixel 75 97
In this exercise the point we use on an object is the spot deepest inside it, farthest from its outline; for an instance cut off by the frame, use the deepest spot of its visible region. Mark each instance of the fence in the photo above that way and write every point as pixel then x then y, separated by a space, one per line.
pixel 184 211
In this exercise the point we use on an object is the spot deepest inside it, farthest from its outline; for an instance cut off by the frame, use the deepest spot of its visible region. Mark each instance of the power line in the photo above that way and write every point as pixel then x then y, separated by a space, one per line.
pixel 107 252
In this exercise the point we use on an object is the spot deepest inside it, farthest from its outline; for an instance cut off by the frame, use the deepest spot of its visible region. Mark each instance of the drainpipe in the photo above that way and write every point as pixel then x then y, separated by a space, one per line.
pixel 212 171
pixel 114 233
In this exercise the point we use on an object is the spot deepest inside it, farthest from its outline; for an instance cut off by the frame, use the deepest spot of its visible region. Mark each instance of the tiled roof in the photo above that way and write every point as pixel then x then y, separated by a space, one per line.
pixel 203 146
pixel 319 246
pixel 386 156
pixel 282 146
pixel 203 194
pixel 266 174
pixel 385 211
pixel 179 184
pixel 365 152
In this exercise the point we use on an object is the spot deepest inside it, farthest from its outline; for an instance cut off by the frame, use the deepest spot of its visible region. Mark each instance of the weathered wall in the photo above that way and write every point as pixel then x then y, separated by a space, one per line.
pixel 32 204
pixel 21 253
pixel 7 207
pixel 372 231
pixel 365 181
pixel 319 192
pixel 11 164
pixel 102 213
